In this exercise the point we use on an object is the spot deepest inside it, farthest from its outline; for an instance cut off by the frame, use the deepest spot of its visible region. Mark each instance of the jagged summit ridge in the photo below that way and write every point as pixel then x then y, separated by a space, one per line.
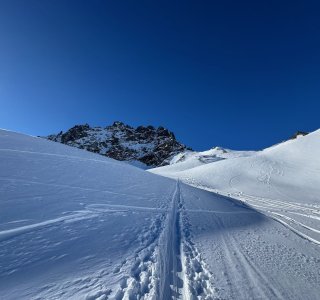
pixel 147 144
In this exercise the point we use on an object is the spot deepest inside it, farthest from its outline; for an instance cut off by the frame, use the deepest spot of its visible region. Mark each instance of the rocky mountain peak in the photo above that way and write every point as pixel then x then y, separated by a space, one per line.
pixel 147 144
pixel 298 133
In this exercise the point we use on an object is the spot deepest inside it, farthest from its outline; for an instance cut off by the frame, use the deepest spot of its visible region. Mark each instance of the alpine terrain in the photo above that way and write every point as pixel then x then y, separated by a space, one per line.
pixel 144 146
pixel 220 224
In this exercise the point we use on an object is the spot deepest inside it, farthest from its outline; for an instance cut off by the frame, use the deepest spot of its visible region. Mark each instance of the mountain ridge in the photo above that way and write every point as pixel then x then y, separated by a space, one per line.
pixel 148 145
pixel 142 146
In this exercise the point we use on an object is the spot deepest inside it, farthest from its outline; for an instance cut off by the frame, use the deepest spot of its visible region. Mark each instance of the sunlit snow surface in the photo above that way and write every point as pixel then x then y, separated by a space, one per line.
pixel 282 181
pixel 75 225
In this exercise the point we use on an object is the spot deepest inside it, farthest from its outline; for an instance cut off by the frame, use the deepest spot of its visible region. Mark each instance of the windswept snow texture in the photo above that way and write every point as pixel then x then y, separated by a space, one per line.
pixel 76 225
pixel 190 159
pixel 282 182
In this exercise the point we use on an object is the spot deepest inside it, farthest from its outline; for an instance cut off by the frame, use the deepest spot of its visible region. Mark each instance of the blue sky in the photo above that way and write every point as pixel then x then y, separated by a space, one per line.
pixel 239 74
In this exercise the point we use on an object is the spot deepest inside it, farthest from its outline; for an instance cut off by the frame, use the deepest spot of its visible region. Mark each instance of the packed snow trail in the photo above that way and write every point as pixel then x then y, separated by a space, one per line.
pixel 239 265
pixel 282 181
pixel 75 225
pixel 249 255
pixel 169 256
pixel 181 268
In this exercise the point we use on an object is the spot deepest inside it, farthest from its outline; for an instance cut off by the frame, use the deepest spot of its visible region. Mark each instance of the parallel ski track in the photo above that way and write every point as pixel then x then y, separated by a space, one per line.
pixel 240 267
pixel 182 270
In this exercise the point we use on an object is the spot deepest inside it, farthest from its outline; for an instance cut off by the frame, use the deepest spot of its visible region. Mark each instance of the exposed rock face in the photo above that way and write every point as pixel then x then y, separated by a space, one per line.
pixel 303 133
pixel 149 145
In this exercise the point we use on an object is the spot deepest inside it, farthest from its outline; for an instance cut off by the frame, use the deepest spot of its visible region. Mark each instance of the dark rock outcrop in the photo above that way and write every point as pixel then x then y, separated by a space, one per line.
pixel 147 144
pixel 303 133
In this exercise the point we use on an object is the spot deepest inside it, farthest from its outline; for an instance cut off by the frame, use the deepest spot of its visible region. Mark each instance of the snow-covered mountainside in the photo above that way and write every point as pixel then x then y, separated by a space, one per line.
pixel 77 225
pixel 282 181
pixel 190 159
pixel 141 146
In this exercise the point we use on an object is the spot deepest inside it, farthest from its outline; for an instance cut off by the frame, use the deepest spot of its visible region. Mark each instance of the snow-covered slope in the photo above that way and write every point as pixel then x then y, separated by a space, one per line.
pixel 76 225
pixel 71 220
pixel 190 159
pixel 283 181
pixel 144 146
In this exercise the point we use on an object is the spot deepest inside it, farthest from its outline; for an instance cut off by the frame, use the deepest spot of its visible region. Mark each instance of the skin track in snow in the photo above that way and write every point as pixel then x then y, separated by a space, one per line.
pixel 282 182
pixel 181 269
pixel 170 266
pixel 75 225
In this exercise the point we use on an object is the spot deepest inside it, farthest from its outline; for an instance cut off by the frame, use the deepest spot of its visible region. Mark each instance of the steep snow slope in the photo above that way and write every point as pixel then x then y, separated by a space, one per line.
pixel 282 181
pixel 75 225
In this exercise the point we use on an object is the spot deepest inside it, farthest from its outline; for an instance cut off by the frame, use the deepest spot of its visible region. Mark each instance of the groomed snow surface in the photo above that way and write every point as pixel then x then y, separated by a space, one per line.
pixel 76 225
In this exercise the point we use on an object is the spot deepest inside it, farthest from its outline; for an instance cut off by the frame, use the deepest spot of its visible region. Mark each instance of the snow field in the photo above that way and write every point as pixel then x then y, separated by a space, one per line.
pixel 75 225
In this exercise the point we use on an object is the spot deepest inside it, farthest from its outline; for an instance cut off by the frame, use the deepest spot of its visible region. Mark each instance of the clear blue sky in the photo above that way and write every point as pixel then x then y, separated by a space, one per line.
pixel 239 74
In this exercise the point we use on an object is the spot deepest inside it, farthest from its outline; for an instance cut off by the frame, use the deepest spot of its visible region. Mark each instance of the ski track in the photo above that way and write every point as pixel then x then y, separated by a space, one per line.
pixel 91 211
pixel 168 265
pixel 140 281
pixel 182 266
pixel 277 210
pixel 165 263
pixel 198 279
pixel 239 267
pixel 68 187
